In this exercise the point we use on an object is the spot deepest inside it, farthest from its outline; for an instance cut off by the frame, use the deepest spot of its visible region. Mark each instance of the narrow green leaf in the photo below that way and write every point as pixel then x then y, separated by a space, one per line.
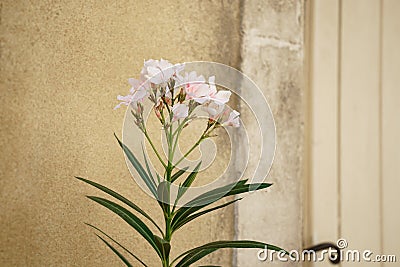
pixel 195 254
pixel 196 215
pixel 130 218
pixel 138 167
pixel 122 199
pixel 182 188
pixel 148 167
pixel 187 261
pixel 178 174
pixel 188 182
pixel 177 198
pixel 215 194
pixel 116 242
pixel 127 263
pixel 163 196
pixel 191 207
pixel 163 245
pixel 158 178
pixel 212 196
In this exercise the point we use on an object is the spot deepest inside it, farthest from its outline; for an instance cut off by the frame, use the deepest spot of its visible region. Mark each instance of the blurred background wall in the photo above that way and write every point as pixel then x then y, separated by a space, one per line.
pixel 62 65
pixel 355 125
pixel 273 55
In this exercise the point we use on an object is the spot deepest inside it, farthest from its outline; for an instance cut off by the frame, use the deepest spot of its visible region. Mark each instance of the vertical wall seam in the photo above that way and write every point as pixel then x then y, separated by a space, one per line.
pixel 380 141
pixel 339 113
pixel 307 197
pixel 235 151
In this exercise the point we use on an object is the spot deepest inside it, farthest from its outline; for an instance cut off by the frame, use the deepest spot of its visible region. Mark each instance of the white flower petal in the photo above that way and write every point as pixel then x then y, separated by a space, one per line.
pixel 221 97
pixel 159 71
pixel 180 111
pixel 233 119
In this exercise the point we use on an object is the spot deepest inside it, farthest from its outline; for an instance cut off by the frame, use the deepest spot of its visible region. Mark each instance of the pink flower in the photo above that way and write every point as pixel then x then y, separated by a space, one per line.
pixel 233 119
pixel 221 97
pixel 189 78
pixel 138 92
pixel 213 109
pixel 135 83
pixel 125 100
pixel 159 71
pixel 179 111
pixel 198 92
pixel 211 82
pixel 196 87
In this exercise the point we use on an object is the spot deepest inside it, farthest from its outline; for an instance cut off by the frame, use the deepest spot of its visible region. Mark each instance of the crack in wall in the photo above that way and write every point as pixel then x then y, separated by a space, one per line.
pixel 258 39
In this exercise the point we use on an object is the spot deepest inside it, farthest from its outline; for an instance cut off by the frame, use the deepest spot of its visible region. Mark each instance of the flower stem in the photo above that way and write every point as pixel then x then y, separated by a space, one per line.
pixel 154 148
pixel 167 238
pixel 190 150
pixel 205 134
pixel 177 132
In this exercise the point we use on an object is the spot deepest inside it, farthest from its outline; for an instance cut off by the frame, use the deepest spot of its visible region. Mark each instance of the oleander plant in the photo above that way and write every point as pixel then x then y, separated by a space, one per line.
pixel 175 96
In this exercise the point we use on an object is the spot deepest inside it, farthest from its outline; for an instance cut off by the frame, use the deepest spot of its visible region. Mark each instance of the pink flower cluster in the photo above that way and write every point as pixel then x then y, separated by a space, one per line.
pixel 175 96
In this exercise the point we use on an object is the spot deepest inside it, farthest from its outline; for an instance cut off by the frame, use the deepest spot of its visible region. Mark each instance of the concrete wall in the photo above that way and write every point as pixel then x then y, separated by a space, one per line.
pixel 273 56
pixel 62 65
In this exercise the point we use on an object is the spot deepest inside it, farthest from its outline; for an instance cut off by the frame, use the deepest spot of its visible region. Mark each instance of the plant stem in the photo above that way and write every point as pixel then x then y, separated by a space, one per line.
pixel 177 132
pixel 190 150
pixel 167 237
pixel 168 172
pixel 154 148
pixel 168 234
pixel 207 131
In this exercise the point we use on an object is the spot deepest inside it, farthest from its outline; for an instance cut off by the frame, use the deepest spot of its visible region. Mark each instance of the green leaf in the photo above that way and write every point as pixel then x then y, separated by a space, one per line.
pixel 127 263
pixel 188 181
pixel 164 246
pixel 138 167
pixel 186 184
pixel 217 194
pixel 163 196
pixel 130 218
pixel 195 254
pixel 148 167
pixel 196 215
pixel 178 174
pixel 212 196
pixel 120 198
pixel 116 242
pixel 158 178
pixel 189 208
pixel 195 257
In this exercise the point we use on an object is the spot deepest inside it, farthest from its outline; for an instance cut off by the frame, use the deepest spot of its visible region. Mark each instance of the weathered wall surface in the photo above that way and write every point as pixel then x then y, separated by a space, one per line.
pixel 62 64
pixel 355 125
pixel 273 56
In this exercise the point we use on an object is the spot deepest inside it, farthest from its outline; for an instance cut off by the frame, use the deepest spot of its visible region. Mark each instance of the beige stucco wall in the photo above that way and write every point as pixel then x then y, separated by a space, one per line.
pixel 62 64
